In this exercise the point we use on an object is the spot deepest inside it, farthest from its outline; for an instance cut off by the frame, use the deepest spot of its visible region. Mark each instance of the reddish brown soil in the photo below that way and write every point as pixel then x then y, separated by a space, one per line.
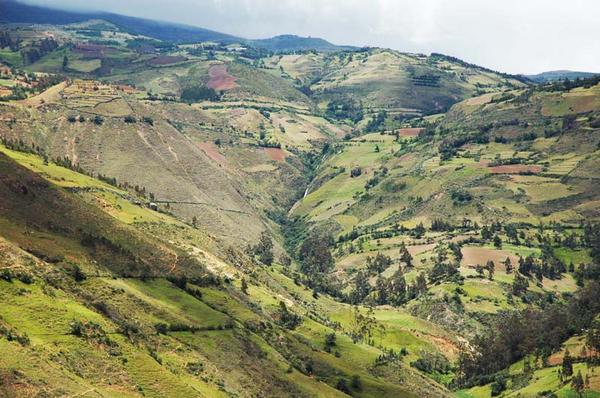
pixel 481 255
pixel 212 152
pixel 515 169
pixel 166 60
pixel 276 154
pixel 412 132
pixel 220 80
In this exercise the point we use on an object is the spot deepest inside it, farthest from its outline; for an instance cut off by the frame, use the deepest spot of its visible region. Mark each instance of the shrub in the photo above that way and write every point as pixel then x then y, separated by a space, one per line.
pixel 78 274
pixel 355 172
pixel 342 385
pixel 430 362
pixel 25 278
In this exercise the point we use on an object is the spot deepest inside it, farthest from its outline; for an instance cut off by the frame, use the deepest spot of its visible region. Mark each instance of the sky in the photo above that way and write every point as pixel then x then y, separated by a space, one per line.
pixel 514 36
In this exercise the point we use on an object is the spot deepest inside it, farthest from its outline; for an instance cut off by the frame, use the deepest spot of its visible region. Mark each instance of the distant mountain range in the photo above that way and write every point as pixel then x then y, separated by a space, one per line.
pixel 15 12
pixel 556 75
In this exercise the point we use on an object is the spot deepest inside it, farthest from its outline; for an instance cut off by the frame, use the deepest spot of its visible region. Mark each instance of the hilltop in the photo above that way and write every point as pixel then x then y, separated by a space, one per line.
pixel 552 76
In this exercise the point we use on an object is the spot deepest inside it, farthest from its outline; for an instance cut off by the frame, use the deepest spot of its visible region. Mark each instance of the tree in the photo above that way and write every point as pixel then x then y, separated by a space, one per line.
pixel 362 288
pixel 567 364
pixel 578 384
pixel 285 260
pixel 378 264
pixel 479 269
pixel 329 341
pixel 397 288
pixel 520 285
pixel 363 327
pixel 486 234
pixel 315 255
pixel 593 337
pixel 65 63
pixel 499 384
pixel 264 248
pixel 527 265
pixel 508 265
pixel 405 256
pixel 381 285
pixel 497 242
pixel 490 268
pixel 419 230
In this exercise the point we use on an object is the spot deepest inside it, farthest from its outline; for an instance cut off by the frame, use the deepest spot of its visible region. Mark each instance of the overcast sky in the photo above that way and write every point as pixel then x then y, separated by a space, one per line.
pixel 516 36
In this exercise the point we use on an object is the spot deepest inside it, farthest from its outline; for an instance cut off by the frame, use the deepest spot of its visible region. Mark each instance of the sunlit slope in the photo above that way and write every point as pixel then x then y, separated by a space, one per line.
pixel 387 79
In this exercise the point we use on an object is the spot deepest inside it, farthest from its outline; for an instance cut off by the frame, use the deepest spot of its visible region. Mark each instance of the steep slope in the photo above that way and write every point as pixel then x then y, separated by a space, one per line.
pixel 170 151
pixel 74 323
pixel 526 156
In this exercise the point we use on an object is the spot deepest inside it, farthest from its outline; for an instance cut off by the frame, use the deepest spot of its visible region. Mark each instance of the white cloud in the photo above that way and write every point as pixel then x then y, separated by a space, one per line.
pixel 519 36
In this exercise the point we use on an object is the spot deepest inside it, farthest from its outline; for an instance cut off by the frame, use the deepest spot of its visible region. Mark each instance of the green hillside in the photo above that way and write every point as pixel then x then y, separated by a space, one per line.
pixel 223 218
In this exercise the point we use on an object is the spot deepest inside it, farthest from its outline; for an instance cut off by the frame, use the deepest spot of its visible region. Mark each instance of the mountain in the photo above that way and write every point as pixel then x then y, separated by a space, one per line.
pixel 552 76
pixel 15 12
pixel 212 220
pixel 12 11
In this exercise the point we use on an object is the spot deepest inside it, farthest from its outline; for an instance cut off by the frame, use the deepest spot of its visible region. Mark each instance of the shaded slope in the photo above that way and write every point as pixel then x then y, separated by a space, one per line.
pixel 15 12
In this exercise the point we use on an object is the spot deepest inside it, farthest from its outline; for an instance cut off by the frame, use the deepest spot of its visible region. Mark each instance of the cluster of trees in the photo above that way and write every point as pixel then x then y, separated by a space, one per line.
pixel 515 334
pixel 364 327
pixel 199 93
pixel 379 174
pixel 6 40
pixel 315 254
pixel 376 122
pixel 344 108
pixel 287 318
pixel 567 84
pixel 393 290
pixel 264 249
pixel 38 50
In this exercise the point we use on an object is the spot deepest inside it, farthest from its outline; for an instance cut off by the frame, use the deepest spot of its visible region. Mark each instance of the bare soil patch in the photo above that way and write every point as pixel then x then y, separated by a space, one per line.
pixel 409 132
pixel 480 255
pixel 220 79
pixel 515 169
pixel 166 60
pixel 276 154
pixel 212 152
